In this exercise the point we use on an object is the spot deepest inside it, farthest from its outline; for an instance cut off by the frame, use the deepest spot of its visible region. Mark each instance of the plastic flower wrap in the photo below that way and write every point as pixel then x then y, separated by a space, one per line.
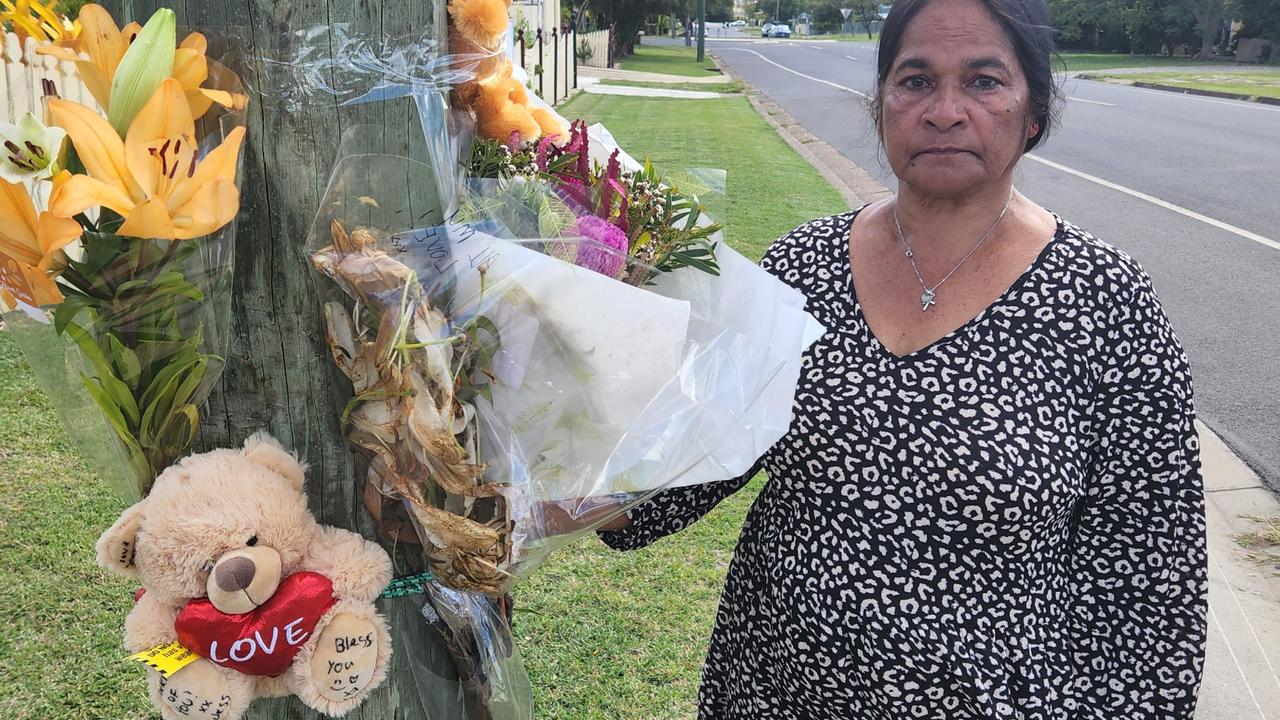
pixel 115 258
pixel 493 380
pixel 523 345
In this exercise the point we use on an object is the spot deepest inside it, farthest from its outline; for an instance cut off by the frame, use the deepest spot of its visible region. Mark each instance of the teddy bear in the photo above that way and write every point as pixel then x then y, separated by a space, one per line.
pixel 477 29
pixel 234 566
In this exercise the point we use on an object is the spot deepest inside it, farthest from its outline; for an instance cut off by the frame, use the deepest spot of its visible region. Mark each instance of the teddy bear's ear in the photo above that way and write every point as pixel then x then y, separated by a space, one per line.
pixel 119 544
pixel 265 450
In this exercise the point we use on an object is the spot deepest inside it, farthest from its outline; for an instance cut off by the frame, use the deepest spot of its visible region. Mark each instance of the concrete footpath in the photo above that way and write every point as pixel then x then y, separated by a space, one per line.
pixel 1241 679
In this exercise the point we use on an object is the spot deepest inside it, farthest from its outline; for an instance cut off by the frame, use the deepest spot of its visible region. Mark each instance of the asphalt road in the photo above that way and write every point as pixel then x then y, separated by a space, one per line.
pixel 1204 222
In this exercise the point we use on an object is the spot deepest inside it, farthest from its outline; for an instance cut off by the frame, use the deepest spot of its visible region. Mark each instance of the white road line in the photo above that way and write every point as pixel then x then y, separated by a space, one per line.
pixel 1214 616
pixel 1091 102
pixel 807 77
pixel 1274 245
pixel 852 58
pixel 1235 598
pixel 1216 101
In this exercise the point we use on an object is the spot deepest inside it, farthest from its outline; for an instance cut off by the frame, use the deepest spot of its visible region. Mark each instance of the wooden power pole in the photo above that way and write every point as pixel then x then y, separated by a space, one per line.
pixel 279 371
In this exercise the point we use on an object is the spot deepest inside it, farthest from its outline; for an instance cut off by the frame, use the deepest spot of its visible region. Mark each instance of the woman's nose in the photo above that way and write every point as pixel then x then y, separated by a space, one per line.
pixel 946 108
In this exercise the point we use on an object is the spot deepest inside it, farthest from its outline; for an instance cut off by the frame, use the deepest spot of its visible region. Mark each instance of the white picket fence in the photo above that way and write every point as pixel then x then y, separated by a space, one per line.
pixel 22 88
pixel 598 41
pixel 21 83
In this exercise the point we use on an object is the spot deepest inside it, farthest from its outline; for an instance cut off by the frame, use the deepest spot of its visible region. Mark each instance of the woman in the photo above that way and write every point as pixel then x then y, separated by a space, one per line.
pixel 989 502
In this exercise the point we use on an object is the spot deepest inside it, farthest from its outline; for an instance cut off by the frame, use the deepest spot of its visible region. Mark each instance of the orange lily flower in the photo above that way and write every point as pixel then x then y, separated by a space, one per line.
pixel 103 42
pixel 31 241
pixel 30 238
pixel 106 44
pixel 155 178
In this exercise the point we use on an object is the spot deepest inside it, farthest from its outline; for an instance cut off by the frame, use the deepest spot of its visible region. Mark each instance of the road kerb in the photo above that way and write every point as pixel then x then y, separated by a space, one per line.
pixel 854 184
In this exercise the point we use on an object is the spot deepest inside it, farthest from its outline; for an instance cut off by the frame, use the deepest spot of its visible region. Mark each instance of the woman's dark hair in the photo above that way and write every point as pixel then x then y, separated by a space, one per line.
pixel 1025 23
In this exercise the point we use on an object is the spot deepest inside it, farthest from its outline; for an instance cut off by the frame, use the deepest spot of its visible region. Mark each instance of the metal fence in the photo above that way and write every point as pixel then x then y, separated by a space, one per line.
pixel 550 60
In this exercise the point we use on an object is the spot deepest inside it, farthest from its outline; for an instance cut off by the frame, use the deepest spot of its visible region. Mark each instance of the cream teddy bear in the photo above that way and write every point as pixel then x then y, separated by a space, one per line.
pixel 235 568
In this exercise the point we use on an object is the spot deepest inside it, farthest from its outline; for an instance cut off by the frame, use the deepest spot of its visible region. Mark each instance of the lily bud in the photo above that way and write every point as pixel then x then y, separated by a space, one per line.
pixel 144 66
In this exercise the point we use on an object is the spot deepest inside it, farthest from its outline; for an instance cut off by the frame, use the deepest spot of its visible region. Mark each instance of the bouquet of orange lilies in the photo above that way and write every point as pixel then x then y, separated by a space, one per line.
pixel 116 228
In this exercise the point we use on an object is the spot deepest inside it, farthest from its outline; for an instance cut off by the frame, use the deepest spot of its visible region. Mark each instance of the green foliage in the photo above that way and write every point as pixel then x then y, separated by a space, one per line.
pixel 136 319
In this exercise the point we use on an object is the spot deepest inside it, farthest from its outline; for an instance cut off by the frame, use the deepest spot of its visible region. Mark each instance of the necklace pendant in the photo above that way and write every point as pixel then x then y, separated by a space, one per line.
pixel 926 299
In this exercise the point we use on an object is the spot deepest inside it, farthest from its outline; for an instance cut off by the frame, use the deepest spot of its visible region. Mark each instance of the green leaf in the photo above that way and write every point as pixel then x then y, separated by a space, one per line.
pixel 126 362
pixel 104 371
pixel 167 379
pixel 68 310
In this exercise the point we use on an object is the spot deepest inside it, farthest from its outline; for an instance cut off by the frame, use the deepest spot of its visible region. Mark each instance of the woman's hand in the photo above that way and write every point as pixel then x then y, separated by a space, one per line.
pixel 569 516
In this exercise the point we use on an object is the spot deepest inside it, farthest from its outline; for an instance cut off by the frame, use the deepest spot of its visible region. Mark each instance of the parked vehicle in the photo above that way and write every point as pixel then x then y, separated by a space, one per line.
pixel 780 30
pixel 738 23
pixel 766 29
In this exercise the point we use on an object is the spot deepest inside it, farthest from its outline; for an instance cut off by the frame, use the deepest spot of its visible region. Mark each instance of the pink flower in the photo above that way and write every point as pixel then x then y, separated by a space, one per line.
pixel 604 246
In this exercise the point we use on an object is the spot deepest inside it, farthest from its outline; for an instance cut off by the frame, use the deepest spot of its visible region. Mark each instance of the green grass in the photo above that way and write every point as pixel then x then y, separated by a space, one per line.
pixel 604 634
pixel 733 86
pixel 842 37
pixel 669 60
pixel 1106 61
pixel 60 649
pixel 1252 84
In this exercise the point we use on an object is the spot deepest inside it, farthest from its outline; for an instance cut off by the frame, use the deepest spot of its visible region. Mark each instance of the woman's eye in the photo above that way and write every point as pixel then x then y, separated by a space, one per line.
pixel 986 83
pixel 915 82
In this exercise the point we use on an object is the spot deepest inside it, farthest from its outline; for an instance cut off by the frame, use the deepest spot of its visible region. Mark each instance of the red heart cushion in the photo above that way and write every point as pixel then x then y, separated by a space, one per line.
pixel 264 641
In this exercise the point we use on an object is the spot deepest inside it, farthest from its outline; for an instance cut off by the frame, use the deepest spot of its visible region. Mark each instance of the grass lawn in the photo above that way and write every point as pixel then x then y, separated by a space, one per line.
pixel 668 59
pixel 1253 84
pixel 604 634
pixel 1104 61
pixel 733 86
pixel 842 37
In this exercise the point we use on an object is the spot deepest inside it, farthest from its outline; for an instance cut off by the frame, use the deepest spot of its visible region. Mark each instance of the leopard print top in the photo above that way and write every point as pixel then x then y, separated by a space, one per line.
pixel 1008 523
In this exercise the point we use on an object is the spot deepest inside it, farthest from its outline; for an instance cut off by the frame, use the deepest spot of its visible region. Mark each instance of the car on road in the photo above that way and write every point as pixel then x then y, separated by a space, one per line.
pixel 765 28
pixel 738 23
pixel 779 30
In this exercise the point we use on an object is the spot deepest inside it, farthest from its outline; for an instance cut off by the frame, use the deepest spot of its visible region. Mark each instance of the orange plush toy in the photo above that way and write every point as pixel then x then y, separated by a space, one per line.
pixel 503 108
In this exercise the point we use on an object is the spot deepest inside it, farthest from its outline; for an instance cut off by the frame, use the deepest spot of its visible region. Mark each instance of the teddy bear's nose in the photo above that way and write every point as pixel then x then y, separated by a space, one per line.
pixel 235 573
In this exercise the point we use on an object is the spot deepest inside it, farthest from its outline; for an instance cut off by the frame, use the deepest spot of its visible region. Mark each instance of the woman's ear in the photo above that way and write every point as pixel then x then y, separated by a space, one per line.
pixel 265 450
pixel 118 546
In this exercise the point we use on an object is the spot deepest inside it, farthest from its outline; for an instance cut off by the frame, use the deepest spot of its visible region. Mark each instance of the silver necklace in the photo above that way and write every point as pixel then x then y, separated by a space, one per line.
pixel 927 297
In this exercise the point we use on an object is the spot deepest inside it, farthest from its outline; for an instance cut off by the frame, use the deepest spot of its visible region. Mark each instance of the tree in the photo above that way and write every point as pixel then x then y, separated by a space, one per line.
pixel 1209 16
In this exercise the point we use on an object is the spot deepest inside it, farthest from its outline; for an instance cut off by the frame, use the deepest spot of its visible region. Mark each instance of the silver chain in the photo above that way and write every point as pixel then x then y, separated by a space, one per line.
pixel 927 297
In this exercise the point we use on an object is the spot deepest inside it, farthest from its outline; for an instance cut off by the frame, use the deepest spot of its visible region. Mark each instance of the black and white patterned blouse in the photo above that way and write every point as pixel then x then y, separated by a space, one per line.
pixel 1007 523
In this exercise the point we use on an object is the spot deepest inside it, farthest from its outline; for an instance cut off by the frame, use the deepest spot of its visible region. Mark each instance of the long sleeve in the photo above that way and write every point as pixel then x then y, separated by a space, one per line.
pixel 1137 621
pixel 669 511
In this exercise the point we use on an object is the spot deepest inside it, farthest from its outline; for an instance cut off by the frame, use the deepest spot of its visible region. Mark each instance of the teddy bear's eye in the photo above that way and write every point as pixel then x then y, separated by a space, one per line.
pixel 252 541
pixel 207 567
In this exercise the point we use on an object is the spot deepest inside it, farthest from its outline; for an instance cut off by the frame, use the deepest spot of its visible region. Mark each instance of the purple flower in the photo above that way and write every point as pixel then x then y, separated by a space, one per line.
pixel 604 246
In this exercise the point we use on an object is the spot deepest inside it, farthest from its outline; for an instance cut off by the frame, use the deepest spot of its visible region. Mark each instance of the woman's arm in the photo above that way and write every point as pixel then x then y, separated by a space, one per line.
pixel 670 511
pixel 1138 560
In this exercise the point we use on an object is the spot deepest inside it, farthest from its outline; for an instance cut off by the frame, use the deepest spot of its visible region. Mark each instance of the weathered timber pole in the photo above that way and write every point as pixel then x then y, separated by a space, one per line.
pixel 279 372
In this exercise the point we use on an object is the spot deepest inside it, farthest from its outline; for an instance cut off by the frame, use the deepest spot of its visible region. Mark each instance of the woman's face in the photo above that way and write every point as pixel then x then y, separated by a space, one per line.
pixel 955 104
